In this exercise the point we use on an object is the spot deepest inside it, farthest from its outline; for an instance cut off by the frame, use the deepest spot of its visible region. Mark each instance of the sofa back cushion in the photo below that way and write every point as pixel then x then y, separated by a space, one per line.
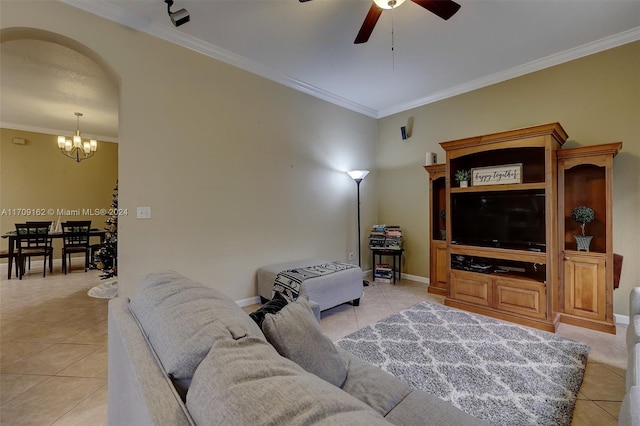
pixel 182 319
pixel 246 382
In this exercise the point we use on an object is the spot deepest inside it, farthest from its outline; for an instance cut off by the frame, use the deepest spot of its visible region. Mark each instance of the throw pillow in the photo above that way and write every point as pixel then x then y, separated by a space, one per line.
pixel 296 334
pixel 273 306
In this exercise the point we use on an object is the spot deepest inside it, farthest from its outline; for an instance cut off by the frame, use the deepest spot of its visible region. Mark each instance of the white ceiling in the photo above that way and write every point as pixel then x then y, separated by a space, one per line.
pixel 309 46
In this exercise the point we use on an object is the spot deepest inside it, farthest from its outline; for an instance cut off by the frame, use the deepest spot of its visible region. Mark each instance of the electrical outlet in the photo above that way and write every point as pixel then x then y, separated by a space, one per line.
pixel 351 256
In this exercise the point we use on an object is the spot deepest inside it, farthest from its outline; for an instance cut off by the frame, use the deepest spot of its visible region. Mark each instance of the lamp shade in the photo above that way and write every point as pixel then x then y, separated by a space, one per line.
pixel 358 174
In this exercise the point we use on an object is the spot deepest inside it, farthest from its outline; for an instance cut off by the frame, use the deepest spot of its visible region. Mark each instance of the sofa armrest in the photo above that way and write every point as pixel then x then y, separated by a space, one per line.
pixel 634 302
pixel 633 329
pixel 630 408
pixel 139 392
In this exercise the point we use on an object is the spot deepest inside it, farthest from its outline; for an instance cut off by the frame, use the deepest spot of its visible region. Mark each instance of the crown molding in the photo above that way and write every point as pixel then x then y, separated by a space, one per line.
pixel 54 132
pixel 117 14
pixel 537 65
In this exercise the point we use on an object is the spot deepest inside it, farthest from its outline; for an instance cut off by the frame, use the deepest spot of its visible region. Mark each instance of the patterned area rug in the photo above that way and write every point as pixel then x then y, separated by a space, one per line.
pixel 501 372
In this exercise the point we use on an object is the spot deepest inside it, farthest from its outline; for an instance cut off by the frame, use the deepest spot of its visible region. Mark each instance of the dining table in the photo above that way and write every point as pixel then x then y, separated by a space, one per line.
pixel 12 237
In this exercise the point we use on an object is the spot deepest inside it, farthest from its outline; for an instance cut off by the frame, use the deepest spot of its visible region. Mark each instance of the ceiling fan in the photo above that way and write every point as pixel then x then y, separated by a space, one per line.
pixel 443 8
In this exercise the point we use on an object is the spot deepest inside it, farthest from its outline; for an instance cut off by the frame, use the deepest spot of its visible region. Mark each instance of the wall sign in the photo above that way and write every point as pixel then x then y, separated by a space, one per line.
pixel 496 175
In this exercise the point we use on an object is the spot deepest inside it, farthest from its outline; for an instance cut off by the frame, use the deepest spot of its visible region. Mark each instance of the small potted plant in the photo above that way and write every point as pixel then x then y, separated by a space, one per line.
pixel 583 215
pixel 462 177
pixel 443 223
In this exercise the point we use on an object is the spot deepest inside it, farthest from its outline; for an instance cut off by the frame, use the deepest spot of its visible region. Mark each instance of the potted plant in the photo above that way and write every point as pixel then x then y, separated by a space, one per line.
pixel 462 177
pixel 583 215
pixel 443 223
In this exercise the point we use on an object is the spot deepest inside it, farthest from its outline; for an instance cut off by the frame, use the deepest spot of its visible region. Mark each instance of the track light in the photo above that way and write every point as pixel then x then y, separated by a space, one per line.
pixel 178 17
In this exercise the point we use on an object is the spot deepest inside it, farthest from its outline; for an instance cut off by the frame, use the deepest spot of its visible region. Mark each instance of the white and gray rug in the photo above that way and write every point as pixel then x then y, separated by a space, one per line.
pixel 498 371
pixel 106 290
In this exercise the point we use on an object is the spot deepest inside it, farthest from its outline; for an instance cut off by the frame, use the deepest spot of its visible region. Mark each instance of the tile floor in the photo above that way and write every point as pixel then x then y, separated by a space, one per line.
pixel 53 349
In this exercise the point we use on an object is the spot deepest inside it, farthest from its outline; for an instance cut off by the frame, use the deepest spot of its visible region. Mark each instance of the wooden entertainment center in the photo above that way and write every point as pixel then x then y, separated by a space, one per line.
pixel 504 246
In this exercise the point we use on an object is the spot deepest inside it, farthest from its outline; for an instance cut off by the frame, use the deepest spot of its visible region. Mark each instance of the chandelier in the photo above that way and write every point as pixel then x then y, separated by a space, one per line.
pixel 75 148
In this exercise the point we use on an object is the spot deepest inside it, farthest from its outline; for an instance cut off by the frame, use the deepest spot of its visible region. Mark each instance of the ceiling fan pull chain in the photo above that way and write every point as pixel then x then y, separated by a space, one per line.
pixel 393 52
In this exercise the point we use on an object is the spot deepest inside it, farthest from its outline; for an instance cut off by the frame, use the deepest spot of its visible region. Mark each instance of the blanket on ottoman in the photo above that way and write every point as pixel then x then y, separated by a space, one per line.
pixel 340 284
pixel 288 282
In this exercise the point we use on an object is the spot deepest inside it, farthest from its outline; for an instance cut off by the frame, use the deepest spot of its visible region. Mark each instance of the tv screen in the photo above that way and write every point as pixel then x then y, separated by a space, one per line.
pixel 506 219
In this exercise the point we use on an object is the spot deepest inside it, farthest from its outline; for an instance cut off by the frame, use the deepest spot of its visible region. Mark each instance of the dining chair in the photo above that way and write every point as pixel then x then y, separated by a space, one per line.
pixel 32 240
pixel 4 254
pixel 75 239
pixel 40 223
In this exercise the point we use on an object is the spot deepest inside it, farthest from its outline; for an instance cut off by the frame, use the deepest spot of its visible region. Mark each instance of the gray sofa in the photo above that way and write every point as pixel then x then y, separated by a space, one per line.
pixel 181 353
pixel 630 409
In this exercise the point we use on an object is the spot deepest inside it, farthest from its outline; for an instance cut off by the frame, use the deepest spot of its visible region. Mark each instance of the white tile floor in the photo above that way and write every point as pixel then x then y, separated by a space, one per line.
pixel 53 348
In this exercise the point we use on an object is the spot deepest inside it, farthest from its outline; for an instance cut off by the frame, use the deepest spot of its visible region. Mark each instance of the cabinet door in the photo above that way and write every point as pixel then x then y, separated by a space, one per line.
pixel 438 268
pixel 471 287
pixel 520 297
pixel 584 285
pixel 441 265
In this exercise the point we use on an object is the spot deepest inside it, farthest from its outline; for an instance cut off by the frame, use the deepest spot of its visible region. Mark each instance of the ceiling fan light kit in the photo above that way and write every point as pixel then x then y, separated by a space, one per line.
pixel 445 9
pixel 388 4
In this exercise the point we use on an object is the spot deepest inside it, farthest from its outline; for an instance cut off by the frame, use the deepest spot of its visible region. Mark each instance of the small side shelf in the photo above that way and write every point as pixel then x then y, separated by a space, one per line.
pixel 437 229
pixel 585 178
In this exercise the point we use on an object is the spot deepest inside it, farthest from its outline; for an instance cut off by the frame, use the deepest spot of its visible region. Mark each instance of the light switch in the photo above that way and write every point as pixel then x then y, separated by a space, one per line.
pixel 144 213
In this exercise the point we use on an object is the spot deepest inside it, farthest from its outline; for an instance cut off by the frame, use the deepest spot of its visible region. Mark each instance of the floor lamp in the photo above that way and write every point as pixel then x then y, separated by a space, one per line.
pixel 357 176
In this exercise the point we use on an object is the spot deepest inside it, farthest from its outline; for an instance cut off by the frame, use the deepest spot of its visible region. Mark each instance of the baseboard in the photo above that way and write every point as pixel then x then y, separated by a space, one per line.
pixel 416 278
pixel 621 319
pixel 248 302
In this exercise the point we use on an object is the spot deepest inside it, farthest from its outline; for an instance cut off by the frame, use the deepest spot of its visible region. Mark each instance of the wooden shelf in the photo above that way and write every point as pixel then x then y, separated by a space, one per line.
pixel 572 286
pixel 585 178
pixel 529 297
pixel 508 187
pixel 499 253
pixel 437 226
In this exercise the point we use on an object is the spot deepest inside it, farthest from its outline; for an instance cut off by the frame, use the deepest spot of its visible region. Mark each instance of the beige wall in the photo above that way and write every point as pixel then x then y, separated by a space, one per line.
pixel 36 177
pixel 596 99
pixel 239 171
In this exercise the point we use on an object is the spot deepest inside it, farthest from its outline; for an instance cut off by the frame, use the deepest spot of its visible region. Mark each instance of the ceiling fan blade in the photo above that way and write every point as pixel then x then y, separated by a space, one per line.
pixel 368 24
pixel 443 8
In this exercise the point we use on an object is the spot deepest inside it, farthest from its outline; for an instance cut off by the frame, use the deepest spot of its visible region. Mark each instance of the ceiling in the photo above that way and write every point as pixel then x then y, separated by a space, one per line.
pixel 309 46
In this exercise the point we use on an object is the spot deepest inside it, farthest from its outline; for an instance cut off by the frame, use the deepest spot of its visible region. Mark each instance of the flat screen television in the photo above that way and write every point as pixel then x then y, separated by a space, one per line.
pixel 505 219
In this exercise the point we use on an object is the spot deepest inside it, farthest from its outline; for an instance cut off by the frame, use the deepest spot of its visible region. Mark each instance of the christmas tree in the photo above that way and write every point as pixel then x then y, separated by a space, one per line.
pixel 107 255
